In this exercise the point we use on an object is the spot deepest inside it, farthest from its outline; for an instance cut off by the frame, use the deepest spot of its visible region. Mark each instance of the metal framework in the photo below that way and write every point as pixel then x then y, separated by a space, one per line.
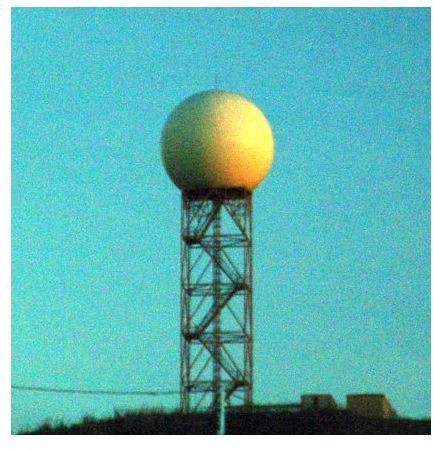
pixel 216 298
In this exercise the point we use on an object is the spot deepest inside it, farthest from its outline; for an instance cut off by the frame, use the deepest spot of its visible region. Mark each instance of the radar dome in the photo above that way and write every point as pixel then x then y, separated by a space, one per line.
pixel 217 139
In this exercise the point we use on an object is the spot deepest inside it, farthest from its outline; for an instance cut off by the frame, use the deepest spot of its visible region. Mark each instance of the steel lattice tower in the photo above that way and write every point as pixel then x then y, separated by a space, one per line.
pixel 216 298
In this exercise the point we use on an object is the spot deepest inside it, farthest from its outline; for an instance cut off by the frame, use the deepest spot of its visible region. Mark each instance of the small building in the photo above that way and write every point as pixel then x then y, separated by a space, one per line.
pixel 312 402
pixel 370 405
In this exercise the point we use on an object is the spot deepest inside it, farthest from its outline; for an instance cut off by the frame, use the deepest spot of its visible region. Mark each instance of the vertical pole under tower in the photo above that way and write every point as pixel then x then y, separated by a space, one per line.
pixel 216 257
pixel 218 400
pixel 216 299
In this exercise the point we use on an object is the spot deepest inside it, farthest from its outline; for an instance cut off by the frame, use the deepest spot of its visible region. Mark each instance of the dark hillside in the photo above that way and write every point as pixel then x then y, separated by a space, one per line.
pixel 324 422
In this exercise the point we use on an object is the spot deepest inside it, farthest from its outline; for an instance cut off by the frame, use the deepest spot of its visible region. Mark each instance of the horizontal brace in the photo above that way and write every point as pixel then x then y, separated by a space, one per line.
pixel 228 337
pixel 208 386
pixel 207 289
pixel 195 195
pixel 225 338
pixel 230 241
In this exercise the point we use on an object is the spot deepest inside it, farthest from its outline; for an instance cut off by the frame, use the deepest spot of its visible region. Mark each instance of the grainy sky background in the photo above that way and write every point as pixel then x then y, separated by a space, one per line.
pixel 342 223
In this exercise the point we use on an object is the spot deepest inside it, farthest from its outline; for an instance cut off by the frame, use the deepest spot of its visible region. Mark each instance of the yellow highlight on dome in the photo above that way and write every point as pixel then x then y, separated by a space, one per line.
pixel 217 139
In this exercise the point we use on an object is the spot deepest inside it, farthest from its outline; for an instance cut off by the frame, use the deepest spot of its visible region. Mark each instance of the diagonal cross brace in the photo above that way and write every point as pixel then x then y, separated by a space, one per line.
pixel 200 233
pixel 212 313
pixel 235 278
pixel 233 372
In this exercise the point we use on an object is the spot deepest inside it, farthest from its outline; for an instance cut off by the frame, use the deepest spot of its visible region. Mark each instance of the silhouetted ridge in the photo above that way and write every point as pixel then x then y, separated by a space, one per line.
pixel 319 422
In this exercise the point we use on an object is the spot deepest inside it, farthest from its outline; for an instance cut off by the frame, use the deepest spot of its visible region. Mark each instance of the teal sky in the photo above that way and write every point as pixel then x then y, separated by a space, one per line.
pixel 341 224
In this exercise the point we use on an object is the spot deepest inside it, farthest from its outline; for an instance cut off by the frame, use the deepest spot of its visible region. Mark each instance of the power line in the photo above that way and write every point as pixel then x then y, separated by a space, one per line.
pixel 91 391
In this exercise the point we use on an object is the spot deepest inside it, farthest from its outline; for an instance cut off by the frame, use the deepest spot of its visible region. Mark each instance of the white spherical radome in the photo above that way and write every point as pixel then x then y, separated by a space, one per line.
pixel 217 139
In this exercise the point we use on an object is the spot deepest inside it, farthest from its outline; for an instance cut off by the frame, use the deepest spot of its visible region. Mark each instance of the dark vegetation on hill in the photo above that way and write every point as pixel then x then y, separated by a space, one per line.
pixel 319 422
